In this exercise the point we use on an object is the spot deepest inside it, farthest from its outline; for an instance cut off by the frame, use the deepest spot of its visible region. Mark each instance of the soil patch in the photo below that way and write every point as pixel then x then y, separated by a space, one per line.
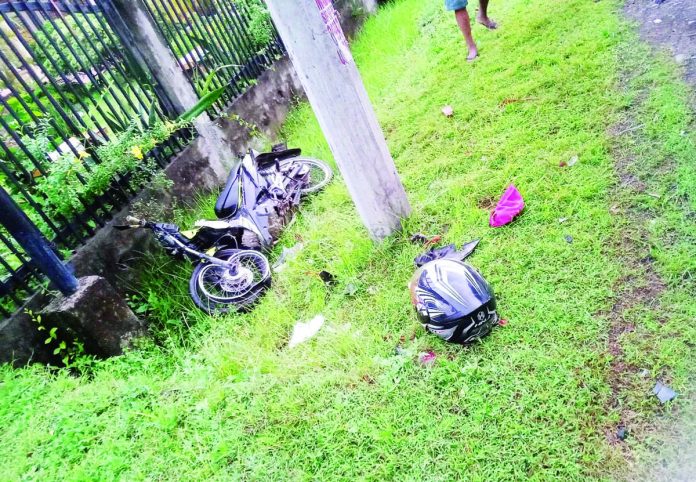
pixel 671 24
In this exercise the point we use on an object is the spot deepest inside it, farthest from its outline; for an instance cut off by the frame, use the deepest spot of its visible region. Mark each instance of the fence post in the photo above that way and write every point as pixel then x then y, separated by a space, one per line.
pixel 139 34
pixel 320 54
pixel 35 245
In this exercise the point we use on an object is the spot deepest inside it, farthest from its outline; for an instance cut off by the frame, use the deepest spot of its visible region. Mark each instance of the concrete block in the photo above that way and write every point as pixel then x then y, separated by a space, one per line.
pixel 98 315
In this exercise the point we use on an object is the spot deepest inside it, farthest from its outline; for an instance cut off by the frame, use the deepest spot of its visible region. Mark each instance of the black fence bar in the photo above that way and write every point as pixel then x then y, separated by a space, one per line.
pixel 69 88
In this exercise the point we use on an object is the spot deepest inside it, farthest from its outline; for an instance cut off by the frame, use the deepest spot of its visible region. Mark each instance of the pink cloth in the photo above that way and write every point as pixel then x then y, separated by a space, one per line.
pixel 509 206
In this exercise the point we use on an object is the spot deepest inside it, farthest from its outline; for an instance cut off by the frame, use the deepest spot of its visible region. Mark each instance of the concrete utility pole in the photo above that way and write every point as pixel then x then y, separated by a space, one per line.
pixel 320 54
pixel 139 34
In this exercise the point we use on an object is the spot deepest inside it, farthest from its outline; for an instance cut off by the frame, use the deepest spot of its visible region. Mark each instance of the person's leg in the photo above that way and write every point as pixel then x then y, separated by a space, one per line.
pixel 482 16
pixel 465 25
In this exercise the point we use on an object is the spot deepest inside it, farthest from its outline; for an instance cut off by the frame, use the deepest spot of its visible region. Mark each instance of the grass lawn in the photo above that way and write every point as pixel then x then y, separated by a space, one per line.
pixel 541 398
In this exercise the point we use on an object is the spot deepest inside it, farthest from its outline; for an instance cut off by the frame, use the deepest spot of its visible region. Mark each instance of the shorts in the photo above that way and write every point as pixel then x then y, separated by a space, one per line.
pixel 455 4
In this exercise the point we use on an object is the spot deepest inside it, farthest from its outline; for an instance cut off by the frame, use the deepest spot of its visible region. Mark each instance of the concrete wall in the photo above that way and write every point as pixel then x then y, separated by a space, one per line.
pixel 114 254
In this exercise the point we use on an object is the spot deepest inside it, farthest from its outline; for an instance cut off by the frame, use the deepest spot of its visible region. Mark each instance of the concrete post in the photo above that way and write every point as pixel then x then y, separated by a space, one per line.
pixel 320 54
pixel 139 34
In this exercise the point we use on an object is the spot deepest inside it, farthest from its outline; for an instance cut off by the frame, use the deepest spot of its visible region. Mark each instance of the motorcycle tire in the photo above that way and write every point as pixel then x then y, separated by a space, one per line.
pixel 320 172
pixel 215 290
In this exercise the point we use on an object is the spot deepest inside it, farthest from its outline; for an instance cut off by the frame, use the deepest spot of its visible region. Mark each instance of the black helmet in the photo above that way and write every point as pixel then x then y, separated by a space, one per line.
pixel 453 301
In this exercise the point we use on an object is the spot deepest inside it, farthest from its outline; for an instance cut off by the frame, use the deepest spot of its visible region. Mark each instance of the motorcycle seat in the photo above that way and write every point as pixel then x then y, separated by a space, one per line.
pixel 229 199
pixel 267 159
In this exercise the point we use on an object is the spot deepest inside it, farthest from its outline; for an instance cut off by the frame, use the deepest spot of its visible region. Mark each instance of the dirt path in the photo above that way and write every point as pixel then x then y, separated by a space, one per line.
pixel 671 24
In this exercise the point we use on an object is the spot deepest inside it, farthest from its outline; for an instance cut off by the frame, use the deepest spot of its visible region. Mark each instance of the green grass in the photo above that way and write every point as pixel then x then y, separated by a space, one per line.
pixel 223 398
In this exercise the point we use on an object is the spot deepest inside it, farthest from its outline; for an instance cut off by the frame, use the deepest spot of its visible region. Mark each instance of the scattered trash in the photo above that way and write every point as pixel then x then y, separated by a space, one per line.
pixel 420 238
pixel 653 194
pixel 427 359
pixel 302 332
pixel 372 290
pixel 328 278
pixel 399 350
pixel 434 240
pixel 657 20
pixel 680 58
pixel 502 322
pixel 562 164
pixel 449 251
pixel 644 373
pixel 447 111
pixel 621 433
pixel 510 205
pixel 568 238
pixel 286 255
pixel 663 392
pixel 562 220
pixel 351 289
pixel 572 161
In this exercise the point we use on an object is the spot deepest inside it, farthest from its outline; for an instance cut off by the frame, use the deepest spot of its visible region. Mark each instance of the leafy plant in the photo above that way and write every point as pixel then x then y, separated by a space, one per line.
pixel 64 342
pixel 92 45
pixel 259 23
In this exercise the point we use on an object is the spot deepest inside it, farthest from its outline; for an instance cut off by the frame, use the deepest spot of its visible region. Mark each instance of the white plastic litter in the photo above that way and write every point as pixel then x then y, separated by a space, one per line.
pixel 302 332
pixel 286 255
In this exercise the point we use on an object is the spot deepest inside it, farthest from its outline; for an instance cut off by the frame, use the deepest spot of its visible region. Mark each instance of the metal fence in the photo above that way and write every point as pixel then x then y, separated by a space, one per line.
pixel 218 43
pixel 74 105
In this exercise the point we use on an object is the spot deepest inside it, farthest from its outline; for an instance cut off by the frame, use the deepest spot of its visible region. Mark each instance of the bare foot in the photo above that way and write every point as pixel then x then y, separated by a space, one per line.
pixel 473 53
pixel 486 22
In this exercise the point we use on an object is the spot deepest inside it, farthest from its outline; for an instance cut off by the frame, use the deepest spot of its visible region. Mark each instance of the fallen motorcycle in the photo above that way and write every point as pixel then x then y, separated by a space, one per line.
pixel 260 197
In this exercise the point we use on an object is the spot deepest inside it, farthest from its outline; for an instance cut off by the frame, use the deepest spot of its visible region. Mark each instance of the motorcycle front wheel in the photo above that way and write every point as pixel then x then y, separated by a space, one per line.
pixel 221 289
pixel 320 173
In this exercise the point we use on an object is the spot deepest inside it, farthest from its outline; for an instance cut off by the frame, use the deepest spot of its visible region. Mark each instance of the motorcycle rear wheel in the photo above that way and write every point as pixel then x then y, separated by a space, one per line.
pixel 217 289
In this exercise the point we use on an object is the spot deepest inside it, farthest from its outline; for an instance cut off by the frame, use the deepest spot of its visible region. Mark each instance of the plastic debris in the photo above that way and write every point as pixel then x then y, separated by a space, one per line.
pixel 328 278
pixel 351 289
pixel 427 359
pixel 420 238
pixel 502 322
pixel 449 251
pixel 572 161
pixel 286 255
pixel 644 373
pixel 568 238
pixel 302 332
pixel 447 111
pixel 510 205
pixel 562 220
pixel 663 392
pixel 657 20
pixel 621 433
